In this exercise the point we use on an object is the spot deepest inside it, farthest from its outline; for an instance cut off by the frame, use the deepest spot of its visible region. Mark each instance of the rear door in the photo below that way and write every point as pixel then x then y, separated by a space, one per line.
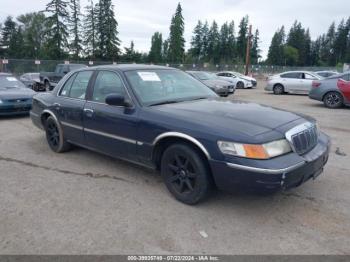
pixel 70 103
pixel 110 129
pixel 306 83
pixel 291 81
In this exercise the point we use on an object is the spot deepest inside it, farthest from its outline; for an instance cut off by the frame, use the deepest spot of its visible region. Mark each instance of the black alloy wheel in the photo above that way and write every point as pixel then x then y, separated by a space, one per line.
pixel 186 173
pixel 333 100
pixel 54 136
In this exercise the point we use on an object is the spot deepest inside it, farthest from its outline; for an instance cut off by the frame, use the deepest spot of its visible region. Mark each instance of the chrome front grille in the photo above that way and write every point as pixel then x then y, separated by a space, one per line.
pixel 303 138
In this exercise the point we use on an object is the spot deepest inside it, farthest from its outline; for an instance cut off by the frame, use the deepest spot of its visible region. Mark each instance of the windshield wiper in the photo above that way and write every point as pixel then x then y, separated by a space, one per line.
pixel 165 102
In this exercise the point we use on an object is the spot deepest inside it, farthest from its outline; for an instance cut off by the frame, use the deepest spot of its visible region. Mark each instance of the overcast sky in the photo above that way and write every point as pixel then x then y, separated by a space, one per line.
pixel 139 19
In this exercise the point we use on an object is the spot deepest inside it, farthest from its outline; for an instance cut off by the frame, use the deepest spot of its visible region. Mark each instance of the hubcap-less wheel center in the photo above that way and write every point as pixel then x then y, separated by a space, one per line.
pixel 183 173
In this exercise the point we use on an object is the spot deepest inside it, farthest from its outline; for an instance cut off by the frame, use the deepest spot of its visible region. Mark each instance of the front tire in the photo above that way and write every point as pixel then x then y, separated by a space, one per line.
pixel 240 85
pixel 54 136
pixel 186 174
pixel 333 100
pixel 278 89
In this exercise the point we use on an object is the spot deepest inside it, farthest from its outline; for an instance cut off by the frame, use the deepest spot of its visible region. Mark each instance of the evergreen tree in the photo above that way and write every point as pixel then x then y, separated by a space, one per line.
pixel 57 29
pixel 255 51
pixel 90 30
pixel 214 43
pixel 155 54
pixel 176 38
pixel 340 41
pixel 224 43
pixel 205 36
pixel 165 52
pixel 327 51
pixel 231 41
pixel 8 33
pixel 74 24
pixel 197 42
pixel 34 28
pixel 108 40
pixel 299 38
pixel 242 38
pixel 315 52
pixel 276 50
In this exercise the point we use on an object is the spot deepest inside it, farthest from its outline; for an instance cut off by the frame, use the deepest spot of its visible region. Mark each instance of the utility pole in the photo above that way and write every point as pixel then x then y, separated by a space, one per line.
pixel 247 57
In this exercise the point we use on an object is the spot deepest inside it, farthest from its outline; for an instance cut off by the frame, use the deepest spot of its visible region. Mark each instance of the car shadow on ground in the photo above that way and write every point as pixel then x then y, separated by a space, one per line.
pixel 11 117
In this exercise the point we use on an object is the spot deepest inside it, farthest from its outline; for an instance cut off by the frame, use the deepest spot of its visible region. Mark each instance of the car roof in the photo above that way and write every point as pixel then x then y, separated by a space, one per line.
pixel 298 71
pixel 131 67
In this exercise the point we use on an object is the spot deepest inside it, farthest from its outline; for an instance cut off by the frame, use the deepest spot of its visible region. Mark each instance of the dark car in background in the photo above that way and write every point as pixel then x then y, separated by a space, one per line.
pixel 333 91
pixel 215 83
pixel 32 81
pixel 48 80
pixel 165 119
pixel 15 97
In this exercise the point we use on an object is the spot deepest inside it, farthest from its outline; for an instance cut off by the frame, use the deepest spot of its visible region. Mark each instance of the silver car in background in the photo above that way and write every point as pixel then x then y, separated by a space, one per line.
pixel 242 81
pixel 294 82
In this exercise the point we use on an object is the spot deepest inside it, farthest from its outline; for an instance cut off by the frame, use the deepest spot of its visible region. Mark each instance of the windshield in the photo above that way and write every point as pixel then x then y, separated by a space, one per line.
pixel 204 75
pixel 166 86
pixel 7 82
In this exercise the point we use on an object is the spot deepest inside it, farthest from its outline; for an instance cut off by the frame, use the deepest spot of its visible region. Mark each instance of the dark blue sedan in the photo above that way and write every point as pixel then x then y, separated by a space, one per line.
pixel 15 97
pixel 164 119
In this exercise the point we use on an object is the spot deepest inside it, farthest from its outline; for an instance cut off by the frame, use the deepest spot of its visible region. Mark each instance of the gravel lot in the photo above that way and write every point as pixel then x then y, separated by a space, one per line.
pixel 84 202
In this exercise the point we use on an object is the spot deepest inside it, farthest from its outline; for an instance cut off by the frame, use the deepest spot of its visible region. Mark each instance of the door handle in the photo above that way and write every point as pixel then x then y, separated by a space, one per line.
pixel 88 112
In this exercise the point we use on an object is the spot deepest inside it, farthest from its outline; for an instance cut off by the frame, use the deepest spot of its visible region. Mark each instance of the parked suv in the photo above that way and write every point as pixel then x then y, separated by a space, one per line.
pixel 297 82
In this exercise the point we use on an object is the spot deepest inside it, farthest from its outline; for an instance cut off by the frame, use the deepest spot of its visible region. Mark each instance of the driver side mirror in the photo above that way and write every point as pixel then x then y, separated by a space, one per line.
pixel 117 100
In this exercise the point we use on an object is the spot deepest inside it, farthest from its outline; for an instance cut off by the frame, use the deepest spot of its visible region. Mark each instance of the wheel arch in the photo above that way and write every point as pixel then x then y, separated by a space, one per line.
pixel 333 91
pixel 164 140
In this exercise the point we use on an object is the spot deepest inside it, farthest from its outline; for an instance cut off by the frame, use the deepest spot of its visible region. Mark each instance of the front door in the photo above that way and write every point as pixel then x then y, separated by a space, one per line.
pixel 70 104
pixel 110 129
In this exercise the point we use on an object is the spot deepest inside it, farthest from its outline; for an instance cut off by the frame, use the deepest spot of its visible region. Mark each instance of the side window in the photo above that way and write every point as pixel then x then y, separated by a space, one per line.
pixel 80 84
pixel 66 88
pixel 107 83
pixel 221 74
pixel 309 77
pixel 291 75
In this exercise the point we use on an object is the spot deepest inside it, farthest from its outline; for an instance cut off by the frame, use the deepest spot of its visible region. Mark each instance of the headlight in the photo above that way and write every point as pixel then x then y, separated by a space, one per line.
pixel 0 101
pixel 264 151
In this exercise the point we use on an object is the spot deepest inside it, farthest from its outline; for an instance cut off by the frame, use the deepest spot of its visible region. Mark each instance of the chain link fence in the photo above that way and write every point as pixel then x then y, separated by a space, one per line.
pixel 21 66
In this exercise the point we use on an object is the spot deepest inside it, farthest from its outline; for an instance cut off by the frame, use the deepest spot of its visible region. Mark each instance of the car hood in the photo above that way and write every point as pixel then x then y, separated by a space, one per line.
pixel 217 82
pixel 229 117
pixel 14 93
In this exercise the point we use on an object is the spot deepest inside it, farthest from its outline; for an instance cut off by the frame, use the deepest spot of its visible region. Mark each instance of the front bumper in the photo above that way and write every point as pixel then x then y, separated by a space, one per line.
pixel 282 172
pixel 18 109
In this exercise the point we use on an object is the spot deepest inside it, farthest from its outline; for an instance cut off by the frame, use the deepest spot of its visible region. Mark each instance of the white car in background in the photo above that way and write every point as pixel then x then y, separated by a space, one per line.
pixel 296 82
pixel 240 80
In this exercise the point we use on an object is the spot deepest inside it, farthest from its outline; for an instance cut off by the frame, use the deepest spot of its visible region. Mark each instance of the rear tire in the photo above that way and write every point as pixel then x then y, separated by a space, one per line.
pixel 240 85
pixel 54 136
pixel 186 174
pixel 333 100
pixel 278 89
